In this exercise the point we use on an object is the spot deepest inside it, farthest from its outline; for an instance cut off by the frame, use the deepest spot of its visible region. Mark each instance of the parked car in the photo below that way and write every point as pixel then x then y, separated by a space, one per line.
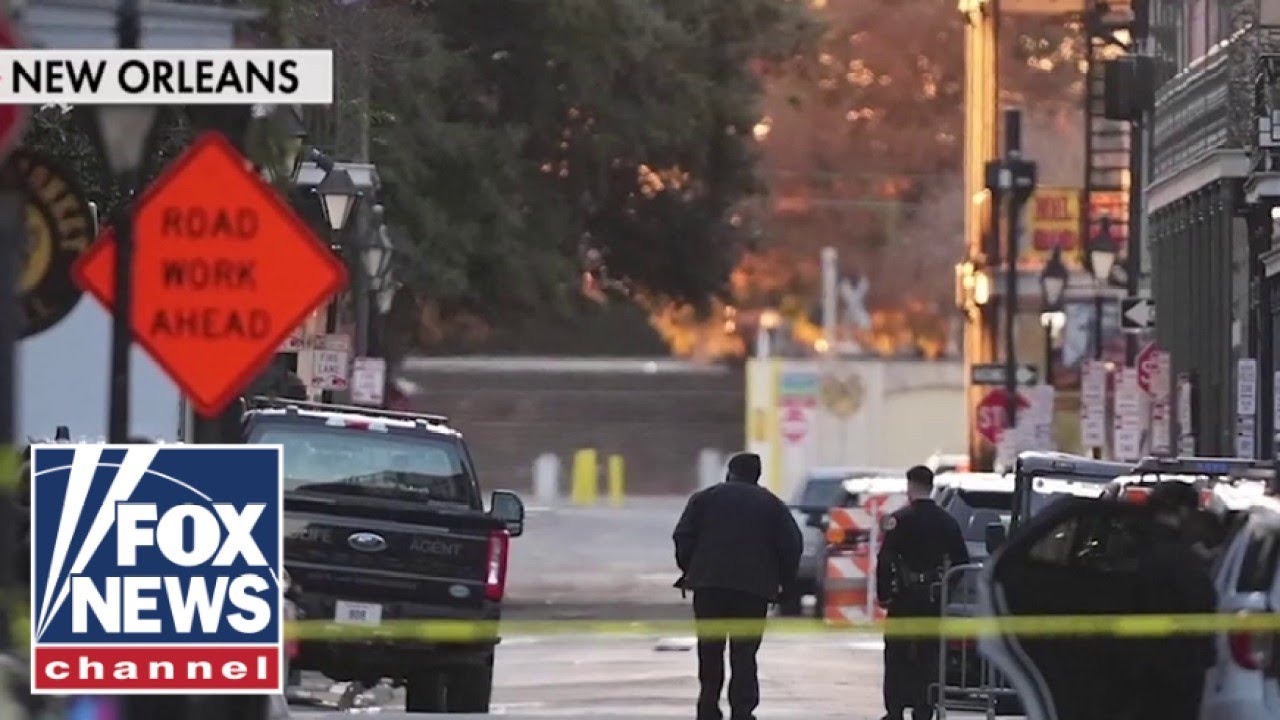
pixel 1244 683
pixel 1081 556
pixel 822 489
pixel 945 463
pixel 976 501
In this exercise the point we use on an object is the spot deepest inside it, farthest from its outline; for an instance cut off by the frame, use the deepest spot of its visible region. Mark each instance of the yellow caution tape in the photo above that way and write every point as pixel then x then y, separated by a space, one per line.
pixel 1127 626
pixel 10 468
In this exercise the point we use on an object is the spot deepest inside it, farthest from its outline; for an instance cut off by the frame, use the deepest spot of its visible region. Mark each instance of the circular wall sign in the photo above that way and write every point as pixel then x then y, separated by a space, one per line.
pixel 59 228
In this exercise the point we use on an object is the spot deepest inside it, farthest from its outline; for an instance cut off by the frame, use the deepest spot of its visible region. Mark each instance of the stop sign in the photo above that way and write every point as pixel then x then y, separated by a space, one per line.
pixel 1146 362
pixel 992 417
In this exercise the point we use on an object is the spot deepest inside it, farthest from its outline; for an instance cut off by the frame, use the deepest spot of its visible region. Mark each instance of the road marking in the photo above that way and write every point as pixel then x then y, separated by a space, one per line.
pixel 868 645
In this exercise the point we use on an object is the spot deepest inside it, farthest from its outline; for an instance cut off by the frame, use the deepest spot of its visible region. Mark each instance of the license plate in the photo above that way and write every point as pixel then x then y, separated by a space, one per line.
pixel 354 613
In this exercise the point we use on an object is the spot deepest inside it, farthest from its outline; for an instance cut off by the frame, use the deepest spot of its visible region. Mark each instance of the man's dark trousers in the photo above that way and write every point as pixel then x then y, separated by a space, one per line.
pixel 910 666
pixel 744 687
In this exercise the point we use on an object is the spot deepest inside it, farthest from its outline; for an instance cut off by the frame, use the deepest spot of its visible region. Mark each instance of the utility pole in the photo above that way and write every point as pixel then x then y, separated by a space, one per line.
pixel 1137 161
pixel 1013 180
pixel 12 237
pixel 829 307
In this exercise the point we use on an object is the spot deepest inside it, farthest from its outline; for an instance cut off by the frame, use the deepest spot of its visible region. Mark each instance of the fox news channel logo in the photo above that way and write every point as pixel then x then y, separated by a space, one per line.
pixel 155 569
pixel 166 77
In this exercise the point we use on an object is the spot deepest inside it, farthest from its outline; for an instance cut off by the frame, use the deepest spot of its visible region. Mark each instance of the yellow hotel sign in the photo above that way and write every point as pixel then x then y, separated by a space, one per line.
pixel 1053 221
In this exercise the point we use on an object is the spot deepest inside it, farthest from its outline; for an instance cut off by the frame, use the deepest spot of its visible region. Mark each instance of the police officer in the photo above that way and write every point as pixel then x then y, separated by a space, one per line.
pixel 920 541
pixel 1173 578
pixel 736 546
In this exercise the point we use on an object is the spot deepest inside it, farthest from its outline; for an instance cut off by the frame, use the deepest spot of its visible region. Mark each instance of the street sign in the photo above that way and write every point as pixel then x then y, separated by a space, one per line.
pixel 13 118
pixel 992 417
pixel 1137 314
pixel 1147 362
pixel 1093 404
pixel 993 374
pixel 331 362
pixel 1129 415
pixel 794 422
pixel 224 271
pixel 368 380
pixel 1246 386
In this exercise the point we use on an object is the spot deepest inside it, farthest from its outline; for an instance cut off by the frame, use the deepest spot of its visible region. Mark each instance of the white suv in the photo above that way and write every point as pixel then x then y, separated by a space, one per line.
pixel 1243 683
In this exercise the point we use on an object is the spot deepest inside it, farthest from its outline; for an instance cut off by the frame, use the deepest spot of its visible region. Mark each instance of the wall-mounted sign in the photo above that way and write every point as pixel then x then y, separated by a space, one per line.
pixel 841 397
pixel 59 228
pixel 1053 221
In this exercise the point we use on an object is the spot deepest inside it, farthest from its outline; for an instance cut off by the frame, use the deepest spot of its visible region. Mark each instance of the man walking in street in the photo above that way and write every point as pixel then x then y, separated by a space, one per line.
pixel 920 542
pixel 737 546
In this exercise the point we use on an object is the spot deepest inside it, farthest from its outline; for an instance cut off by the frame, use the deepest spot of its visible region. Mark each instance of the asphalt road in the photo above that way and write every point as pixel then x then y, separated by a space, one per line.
pixel 607 563
pixel 834 677
pixel 598 562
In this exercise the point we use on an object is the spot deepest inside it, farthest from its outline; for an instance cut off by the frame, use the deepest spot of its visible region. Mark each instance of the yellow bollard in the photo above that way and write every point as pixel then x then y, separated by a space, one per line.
pixel 586 477
pixel 617 473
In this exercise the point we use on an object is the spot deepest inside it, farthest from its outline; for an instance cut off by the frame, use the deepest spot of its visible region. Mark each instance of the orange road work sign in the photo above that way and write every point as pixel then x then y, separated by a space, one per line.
pixel 224 270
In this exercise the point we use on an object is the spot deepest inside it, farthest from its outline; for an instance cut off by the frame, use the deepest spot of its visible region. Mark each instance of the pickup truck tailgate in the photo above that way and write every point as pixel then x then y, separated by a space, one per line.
pixel 386 552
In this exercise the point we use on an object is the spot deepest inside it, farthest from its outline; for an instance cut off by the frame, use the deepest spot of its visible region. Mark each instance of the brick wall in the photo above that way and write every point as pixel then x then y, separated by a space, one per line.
pixel 657 414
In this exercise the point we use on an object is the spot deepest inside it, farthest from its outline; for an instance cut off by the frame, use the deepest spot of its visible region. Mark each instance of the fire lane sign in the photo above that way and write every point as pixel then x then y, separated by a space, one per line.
pixel 224 271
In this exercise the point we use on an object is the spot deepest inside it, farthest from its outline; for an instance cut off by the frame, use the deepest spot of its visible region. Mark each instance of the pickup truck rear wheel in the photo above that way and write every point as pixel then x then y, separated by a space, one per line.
pixel 470 688
pixel 424 693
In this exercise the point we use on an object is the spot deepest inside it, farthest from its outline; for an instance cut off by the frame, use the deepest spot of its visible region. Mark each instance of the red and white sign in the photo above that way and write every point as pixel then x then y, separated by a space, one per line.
pixel 992 417
pixel 794 421
pixel 1148 362
pixel 13 118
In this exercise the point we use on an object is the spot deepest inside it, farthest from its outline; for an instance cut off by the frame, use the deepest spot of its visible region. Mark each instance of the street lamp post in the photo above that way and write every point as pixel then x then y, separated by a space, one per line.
pixel 1053 284
pixel 1013 180
pixel 122 134
pixel 339 197
pixel 1102 258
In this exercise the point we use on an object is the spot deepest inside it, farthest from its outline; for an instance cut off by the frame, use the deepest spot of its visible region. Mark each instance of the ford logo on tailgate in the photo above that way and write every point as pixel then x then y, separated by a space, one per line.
pixel 367 542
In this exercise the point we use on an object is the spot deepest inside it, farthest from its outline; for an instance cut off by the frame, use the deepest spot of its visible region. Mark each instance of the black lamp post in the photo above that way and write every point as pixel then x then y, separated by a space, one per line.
pixel 1102 258
pixel 339 197
pixel 1053 285
pixel 122 134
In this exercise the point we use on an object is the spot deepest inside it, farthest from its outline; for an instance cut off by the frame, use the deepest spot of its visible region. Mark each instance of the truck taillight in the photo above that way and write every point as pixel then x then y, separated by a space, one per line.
pixel 495 580
pixel 1250 651
pixel 1137 495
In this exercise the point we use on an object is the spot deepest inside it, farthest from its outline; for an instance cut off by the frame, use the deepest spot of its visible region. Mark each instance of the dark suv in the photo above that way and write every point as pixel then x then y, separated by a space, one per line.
pixel 384 522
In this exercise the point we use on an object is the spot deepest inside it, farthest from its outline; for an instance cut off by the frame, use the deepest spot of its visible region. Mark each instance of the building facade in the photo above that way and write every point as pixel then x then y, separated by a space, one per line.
pixel 1209 224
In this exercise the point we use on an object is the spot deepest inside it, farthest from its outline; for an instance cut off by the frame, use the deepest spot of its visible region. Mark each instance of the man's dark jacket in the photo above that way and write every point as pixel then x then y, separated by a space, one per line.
pixel 737 536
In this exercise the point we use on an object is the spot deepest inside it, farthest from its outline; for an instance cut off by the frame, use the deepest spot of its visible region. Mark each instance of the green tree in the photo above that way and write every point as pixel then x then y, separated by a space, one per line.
pixel 521 138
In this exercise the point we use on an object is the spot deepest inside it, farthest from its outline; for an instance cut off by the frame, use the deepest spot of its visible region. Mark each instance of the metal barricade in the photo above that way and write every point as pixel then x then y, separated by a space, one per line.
pixel 967 682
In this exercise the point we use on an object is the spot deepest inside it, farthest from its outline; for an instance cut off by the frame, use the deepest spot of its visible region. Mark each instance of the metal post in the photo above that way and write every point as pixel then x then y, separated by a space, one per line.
pixel 12 237
pixel 121 330
pixel 330 327
pixel 1133 264
pixel 1097 321
pixel 128 37
pixel 360 295
pixel 1013 151
pixel 829 282
pixel 1048 354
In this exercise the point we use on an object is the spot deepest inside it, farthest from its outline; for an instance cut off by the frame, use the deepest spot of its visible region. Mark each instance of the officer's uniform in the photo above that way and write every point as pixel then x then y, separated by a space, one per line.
pixel 920 541
pixel 1173 579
